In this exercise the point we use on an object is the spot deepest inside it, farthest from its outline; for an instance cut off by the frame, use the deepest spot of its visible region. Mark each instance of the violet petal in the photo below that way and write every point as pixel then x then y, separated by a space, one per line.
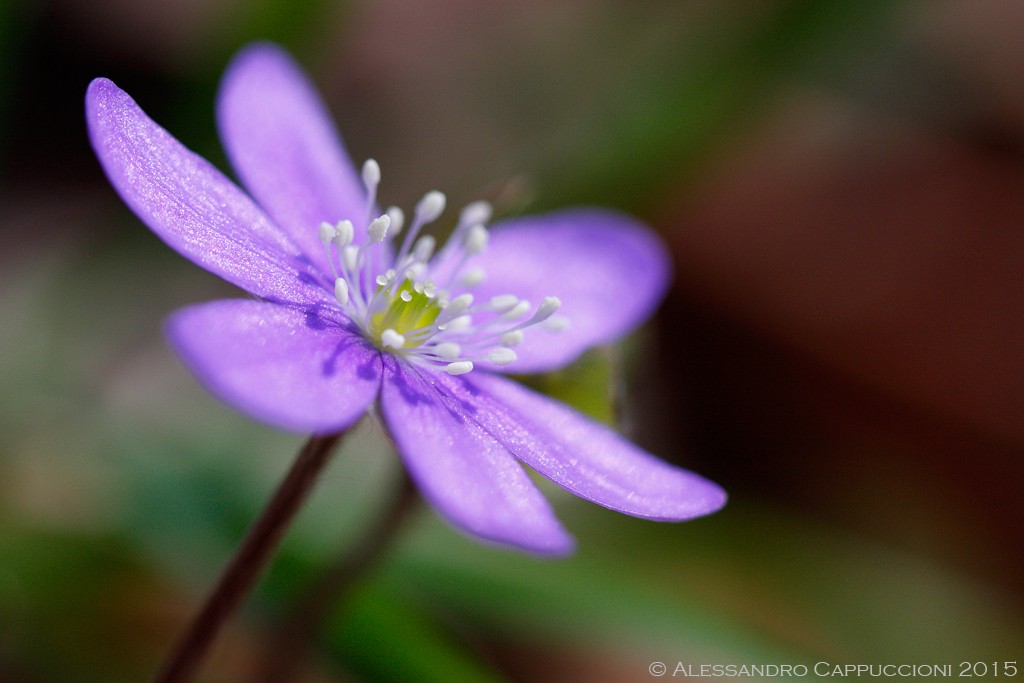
pixel 468 476
pixel 581 455
pixel 284 147
pixel 193 207
pixel 291 368
pixel 609 271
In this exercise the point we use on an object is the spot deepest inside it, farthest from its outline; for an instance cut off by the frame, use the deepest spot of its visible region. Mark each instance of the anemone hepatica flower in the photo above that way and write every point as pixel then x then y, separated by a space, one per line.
pixel 350 309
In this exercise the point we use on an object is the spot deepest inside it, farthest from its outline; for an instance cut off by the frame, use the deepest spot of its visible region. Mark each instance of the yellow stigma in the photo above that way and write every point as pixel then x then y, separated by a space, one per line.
pixel 408 309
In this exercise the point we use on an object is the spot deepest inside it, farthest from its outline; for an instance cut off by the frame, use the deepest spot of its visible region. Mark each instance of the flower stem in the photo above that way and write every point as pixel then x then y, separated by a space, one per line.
pixel 244 568
pixel 294 635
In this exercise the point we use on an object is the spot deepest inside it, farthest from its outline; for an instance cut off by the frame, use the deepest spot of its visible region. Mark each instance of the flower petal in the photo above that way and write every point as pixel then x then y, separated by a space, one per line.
pixel 467 475
pixel 581 455
pixel 283 145
pixel 190 205
pixel 292 368
pixel 609 271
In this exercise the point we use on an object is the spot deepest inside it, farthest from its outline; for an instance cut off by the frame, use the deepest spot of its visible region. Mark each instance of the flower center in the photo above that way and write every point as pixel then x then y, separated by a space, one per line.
pixel 405 313
pixel 414 304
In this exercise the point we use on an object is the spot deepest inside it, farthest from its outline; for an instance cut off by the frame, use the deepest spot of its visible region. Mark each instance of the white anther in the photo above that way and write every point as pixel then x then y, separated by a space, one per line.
pixel 344 231
pixel 371 174
pixel 341 291
pixel 397 220
pixel 391 338
pixel 405 296
pixel 517 311
pixel 350 256
pixel 476 212
pixel 424 248
pixel 472 277
pixel 546 308
pixel 457 305
pixel 431 206
pixel 327 233
pixel 512 338
pixel 501 356
pixel 556 323
pixel 460 324
pixel 459 367
pixel 378 228
pixel 476 240
pixel 504 302
pixel 447 350
pixel 416 271
pixel 382 280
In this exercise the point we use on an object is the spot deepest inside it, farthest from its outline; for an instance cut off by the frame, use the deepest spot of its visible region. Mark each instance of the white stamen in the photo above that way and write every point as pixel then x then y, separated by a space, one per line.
pixel 460 324
pixel 472 277
pixel 476 240
pixel 424 248
pixel 371 174
pixel 415 270
pixel 512 338
pixel 379 290
pixel 447 350
pixel 476 212
pixel 344 232
pixel 546 309
pixel 371 178
pixel 427 210
pixel 378 228
pixel 459 367
pixel 504 302
pixel 517 311
pixel 397 220
pixel 431 206
pixel 556 324
pixel 457 305
pixel 501 356
pixel 391 338
pixel 350 256
pixel 327 233
pixel 341 291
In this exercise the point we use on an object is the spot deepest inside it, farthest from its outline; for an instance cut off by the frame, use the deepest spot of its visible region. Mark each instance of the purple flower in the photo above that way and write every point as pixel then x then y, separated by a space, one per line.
pixel 347 313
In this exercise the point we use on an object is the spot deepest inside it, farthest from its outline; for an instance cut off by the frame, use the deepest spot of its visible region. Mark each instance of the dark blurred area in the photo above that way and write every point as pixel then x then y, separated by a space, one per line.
pixel 842 188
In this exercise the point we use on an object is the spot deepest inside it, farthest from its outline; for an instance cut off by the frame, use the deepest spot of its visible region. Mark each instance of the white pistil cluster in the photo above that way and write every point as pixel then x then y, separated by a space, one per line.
pixel 397 301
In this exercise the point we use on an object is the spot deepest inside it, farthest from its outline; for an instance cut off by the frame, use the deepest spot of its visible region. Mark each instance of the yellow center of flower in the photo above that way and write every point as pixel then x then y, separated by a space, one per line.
pixel 406 312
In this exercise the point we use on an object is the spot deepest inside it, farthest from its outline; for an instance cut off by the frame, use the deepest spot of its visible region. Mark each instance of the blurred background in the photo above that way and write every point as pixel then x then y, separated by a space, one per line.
pixel 842 188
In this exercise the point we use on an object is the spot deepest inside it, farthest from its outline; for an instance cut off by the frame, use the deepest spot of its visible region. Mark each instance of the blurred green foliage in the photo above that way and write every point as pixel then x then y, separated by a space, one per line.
pixel 665 119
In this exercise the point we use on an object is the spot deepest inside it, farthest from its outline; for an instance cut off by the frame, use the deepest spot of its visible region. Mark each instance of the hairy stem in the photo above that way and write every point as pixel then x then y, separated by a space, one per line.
pixel 248 561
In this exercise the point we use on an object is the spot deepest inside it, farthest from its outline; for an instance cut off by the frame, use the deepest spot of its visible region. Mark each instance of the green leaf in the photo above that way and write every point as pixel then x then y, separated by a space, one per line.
pixel 382 638
pixel 75 606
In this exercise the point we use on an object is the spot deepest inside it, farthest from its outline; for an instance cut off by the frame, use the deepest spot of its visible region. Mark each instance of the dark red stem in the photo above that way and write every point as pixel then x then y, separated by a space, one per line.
pixel 248 562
